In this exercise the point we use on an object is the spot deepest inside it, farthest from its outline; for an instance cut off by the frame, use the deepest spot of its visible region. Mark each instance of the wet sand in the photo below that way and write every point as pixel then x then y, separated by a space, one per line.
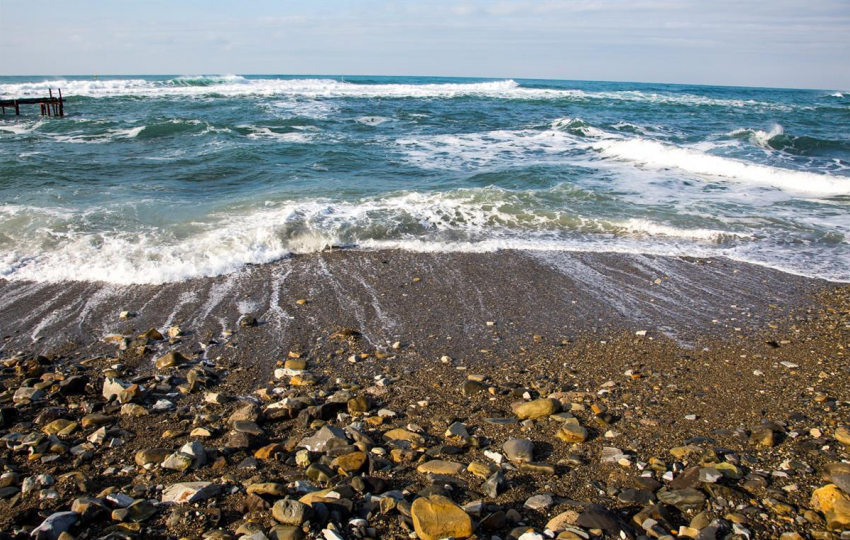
pixel 441 301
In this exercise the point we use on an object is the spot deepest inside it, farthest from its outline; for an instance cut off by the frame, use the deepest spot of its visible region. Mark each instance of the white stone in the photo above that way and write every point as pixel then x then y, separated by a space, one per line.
pixel 187 492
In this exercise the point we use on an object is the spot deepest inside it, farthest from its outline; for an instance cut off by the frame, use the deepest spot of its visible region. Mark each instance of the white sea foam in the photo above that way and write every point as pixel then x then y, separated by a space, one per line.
pixel 234 85
pixel 267 133
pixel 759 137
pixel 482 149
pixel 481 219
pixel 372 120
pixel 580 127
pixel 21 128
pixel 99 138
pixel 569 138
pixel 659 155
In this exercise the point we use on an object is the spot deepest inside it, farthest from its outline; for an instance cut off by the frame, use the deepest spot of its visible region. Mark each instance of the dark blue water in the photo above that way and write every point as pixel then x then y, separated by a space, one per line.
pixel 152 179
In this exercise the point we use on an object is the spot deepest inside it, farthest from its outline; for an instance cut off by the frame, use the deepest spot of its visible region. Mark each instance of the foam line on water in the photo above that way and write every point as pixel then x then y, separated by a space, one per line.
pixel 658 155
pixel 234 85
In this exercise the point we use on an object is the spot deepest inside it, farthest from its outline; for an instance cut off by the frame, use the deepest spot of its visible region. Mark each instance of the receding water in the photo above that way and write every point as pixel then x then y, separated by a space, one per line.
pixel 154 179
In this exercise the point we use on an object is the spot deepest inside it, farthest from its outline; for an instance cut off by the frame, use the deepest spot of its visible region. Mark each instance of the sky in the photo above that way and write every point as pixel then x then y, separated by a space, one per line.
pixel 772 43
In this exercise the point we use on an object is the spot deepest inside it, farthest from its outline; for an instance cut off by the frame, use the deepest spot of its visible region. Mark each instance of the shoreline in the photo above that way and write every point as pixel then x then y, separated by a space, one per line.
pixel 665 295
pixel 703 395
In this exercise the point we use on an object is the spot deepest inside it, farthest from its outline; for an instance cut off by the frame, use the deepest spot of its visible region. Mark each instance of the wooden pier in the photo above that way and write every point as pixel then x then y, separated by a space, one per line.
pixel 50 106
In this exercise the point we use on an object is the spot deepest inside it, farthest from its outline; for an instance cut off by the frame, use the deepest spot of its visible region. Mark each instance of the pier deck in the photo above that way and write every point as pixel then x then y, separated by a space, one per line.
pixel 50 106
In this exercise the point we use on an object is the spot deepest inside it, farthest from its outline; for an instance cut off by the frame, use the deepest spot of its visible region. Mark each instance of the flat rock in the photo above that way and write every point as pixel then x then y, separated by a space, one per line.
pixel 683 499
pixel 596 516
pixel 319 441
pixel 438 517
pixel 438 466
pixel 189 492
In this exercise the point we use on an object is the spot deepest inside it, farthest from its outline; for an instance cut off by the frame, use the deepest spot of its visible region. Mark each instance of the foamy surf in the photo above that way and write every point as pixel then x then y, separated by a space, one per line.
pixel 476 220
pixel 321 88
pixel 658 155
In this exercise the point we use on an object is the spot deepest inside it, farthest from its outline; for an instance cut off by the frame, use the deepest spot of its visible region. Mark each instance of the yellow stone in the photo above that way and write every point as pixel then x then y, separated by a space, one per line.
pixel 539 408
pixel 438 517
pixel 838 518
pixel 825 498
pixel 400 434
pixel 572 433
pixel 350 463
pixel 438 466
pixel 562 521
pixel 295 364
pixel 315 496
pixel 56 426
pixel 268 452
pixel 481 470
pixel 302 380
pixel 400 455
pixel 842 435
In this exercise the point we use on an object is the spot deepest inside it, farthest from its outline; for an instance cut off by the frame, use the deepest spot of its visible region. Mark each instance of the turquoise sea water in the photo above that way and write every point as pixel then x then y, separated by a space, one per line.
pixel 153 179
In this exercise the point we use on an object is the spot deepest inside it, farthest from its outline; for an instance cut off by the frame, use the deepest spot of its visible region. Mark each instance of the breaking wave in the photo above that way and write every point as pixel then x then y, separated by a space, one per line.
pixel 484 219
pixel 660 155
pixel 235 85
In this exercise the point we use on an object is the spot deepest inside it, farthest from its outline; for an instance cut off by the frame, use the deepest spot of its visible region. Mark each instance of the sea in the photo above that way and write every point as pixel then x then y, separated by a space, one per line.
pixel 155 179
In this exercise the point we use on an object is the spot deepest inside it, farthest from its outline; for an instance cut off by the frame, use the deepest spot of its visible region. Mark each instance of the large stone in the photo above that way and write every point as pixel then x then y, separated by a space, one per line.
pixel 170 360
pixel 268 488
pixel 178 461
pixel 246 411
pixel 189 492
pixel 247 426
pixel 113 387
pixel 842 435
pixel 437 517
pixel 52 527
pixel 26 394
pixel 539 408
pixel 562 521
pixel 351 462
pixel 519 450
pixel 596 516
pixel 269 451
pixel 572 433
pixel 76 384
pixel 762 436
pixel 319 441
pixel 291 512
pixel 838 518
pixel 438 466
pixel 683 499
pixel 151 456
pixel 825 498
pixel 56 426
pixel 400 434
pixel 139 511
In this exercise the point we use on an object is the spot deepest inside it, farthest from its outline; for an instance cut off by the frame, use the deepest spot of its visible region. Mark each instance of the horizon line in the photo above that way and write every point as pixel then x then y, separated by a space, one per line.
pixel 428 76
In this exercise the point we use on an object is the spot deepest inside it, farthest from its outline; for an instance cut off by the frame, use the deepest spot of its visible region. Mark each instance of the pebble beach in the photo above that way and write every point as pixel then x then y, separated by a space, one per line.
pixel 390 394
